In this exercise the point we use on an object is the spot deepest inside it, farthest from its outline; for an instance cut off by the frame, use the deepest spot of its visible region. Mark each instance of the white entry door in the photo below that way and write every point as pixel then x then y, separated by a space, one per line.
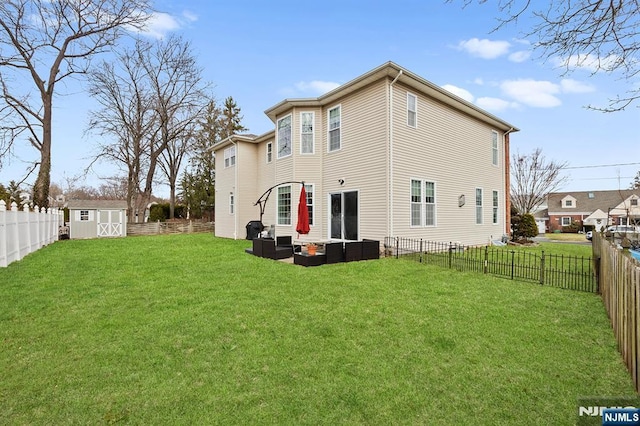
pixel 110 223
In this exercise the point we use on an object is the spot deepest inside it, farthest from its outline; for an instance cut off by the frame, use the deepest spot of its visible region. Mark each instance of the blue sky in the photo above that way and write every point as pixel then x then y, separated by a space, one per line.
pixel 263 52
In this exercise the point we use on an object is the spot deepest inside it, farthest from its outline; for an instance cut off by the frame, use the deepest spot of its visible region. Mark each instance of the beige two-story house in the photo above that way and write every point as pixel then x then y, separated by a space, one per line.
pixel 386 154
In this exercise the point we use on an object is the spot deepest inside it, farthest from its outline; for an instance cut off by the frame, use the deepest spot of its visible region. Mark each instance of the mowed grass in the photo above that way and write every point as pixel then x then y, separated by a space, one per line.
pixel 189 329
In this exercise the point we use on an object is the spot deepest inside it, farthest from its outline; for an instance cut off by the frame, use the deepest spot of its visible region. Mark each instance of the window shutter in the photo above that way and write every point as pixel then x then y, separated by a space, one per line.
pixel 77 215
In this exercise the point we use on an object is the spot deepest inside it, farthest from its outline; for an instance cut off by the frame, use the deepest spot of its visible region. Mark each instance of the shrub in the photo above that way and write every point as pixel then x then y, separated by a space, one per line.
pixel 524 227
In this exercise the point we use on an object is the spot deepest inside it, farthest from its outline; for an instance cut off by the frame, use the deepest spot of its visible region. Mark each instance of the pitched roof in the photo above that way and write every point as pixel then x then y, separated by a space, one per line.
pixel 96 204
pixel 589 201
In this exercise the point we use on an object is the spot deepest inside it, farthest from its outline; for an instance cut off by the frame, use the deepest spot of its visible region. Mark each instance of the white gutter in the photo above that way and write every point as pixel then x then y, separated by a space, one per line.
pixel 390 180
pixel 236 200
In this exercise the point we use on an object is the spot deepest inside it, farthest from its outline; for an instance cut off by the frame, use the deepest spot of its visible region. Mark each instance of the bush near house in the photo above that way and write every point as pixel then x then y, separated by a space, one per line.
pixel 523 226
pixel 160 212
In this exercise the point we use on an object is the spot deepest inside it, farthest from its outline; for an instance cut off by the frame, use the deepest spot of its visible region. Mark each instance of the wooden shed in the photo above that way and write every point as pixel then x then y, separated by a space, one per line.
pixel 97 218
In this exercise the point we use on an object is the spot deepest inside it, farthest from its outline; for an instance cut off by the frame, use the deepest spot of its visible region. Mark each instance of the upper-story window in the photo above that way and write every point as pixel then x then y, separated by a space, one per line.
pixel 334 128
pixel 230 156
pixel 634 202
pixel 412 110
pixel 495 157
pixel 569 202
pixel 269 152
pixel 284 136
pixel 306 132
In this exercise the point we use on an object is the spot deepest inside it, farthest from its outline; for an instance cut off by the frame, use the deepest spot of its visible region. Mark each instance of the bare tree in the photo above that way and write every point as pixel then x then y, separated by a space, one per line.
pixel 181 101
pixel 43 42
pixel 532 178
pixel 603 36
pixel 127 115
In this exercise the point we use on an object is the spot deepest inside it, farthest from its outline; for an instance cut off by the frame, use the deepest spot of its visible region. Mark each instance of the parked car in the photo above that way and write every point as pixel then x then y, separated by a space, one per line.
pixel 623 229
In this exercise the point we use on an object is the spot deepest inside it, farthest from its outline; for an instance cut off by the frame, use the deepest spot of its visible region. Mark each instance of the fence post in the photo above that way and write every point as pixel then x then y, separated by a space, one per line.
pixel 3 234
pixel 397 247
pixel 542 268
pixel 486 259
pixel 450 254
pixel 420 250
pixel 513 253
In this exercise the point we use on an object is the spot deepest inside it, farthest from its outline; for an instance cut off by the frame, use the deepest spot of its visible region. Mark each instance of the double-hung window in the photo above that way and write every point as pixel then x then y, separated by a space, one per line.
pixel 230 156
pixel 269 152
pixel 306 132
pixel 494 148
pixel 479 206
pixel 284 137
pixel 412 110
pixel 309 190
pixel 495 207
pixel 423 203
pixel 334 128
pixel 284 205
pixel 84 215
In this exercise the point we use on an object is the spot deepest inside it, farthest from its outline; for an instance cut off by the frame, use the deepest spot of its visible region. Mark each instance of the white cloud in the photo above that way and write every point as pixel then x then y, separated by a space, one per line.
pixel 316 86
pixel 159 24
pixel 478 81
pixel 462 93
pixel 535 93
pixel 189 16
pixel 495 104
pixel 485 49
pixel 573 86
pixel 519 56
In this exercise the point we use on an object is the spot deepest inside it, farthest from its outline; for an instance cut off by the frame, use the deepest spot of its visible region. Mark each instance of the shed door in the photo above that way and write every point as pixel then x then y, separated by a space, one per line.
pixel 110 223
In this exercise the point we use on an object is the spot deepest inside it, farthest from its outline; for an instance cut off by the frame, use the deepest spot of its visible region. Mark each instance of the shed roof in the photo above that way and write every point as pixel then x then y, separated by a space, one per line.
pixel 97 204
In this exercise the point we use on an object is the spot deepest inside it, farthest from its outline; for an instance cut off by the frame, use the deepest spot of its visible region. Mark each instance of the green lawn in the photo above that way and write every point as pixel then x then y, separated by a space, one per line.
pixel 189 329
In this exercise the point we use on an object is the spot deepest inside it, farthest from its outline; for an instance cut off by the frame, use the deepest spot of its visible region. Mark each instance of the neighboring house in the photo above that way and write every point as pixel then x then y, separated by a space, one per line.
pixel 596 209
pixel 386 154
pixel 97 218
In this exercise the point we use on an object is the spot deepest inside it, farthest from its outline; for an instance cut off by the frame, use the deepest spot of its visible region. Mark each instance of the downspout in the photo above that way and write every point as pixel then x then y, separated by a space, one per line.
pixel 236 198
pixel 507 173
pixel 390 230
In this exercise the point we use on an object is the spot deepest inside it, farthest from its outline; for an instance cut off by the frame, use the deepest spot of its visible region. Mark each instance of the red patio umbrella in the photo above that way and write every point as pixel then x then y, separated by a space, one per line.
pixel 303 213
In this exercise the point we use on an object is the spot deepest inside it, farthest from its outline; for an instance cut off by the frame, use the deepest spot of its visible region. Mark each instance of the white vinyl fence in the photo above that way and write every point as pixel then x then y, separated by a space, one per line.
pixel 24 231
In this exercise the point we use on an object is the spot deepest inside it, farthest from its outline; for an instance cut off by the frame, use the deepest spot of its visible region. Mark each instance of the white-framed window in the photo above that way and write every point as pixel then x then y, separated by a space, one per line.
pixel 568 203
pixel 306 132
pixel 479 206
pixel 412 110
pixel 284 205
pixel 232 203
pixel 284 136
pixel 566 221
pixel 423 203
pixel 309 190
pixel 84 215
pixel 334 128
pixel 230 156
pixel 496 204
pixel 269 152
pixel 495 152
pixel 633 202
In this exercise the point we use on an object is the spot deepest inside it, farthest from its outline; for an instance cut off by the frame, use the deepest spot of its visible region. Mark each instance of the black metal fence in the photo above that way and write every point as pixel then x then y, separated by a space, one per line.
pixel 569 272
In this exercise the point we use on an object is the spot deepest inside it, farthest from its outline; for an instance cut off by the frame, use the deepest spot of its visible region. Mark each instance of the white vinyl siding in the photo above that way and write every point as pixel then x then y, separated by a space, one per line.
pixel 230 156
pixel 284 137
pixel 423 203
pixel 479 206
pixel 495 153
pixel 306 132
pixel 309 190
pixel 335 120
pixel 412 110
pixel 284 205
pixel 496 204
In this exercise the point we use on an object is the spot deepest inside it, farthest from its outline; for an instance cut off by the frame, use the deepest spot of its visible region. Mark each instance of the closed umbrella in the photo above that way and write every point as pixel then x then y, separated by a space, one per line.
pixel 302 226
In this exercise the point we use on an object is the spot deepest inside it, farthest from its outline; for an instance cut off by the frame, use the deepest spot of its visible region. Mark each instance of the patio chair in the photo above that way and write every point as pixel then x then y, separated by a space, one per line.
pixel 334 252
